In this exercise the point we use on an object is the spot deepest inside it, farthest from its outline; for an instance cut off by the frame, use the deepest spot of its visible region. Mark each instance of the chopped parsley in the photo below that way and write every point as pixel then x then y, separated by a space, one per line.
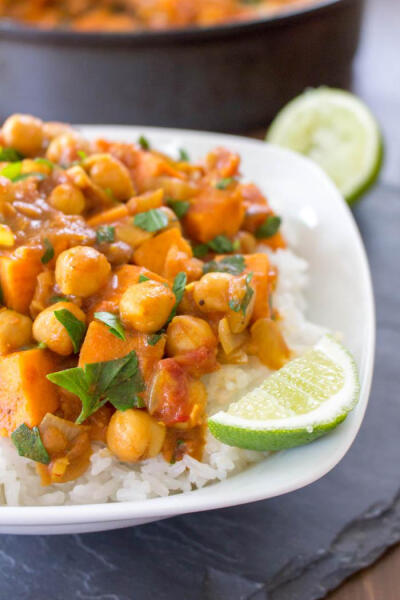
pixel 179 289
pixel 269 228
pixel 48 253
pixel 235 265
pixel 10 155
pixel 82 154
pixel 144 143
pixel 183 155
pixel 221 244
pixel 55 299
pixel 113 323
pixel 143 278
pixel 152 340
pixel 116 381
pixel 29 444
pixel 151 220
pixel 242 305
pixel 23 176
pixel 200 250
pixel 74 327
pixel 180 207
pixel 224 183
pixel 12 171
pixel 105 234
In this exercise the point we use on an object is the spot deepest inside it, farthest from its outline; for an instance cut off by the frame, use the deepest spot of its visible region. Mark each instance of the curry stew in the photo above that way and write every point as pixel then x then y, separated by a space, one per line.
pixel 126 275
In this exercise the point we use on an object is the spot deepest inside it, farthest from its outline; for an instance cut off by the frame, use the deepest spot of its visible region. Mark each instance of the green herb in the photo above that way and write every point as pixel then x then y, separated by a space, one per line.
pixel 105 234
pixel 110 194
pixel 152 340
pixel 200 250
pixel 269 227
pixel 73 326
pixel 236 245
pixel 151 220
pixel 29 444
pixel 45 161
pixel 221 244
pixel 143 278
pixel 24 176
pixel 42 346
pixel 179 289
pixel 82 154
pixel 222 184
pixel 183 155
pixel 237 306
pixel 116 381
pixel 180 207
pixel 144 143
pixel 113 323
pixel 10 155
pixel 55 299
pixel 235 265
pixel 48 252
pixel 12 170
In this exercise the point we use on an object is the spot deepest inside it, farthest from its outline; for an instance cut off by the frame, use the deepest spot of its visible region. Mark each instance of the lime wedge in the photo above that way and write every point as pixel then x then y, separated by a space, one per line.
pixel 299 403
pixel 336 130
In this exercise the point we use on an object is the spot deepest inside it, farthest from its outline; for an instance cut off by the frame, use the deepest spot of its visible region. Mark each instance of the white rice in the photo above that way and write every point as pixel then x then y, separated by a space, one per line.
pixel 109 480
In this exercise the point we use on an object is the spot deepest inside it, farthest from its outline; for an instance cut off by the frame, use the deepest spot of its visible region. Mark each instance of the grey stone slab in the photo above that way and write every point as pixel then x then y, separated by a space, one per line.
pixel 296 547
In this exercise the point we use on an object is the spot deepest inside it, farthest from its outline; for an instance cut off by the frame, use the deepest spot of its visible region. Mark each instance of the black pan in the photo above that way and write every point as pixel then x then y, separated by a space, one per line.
pixel 225 78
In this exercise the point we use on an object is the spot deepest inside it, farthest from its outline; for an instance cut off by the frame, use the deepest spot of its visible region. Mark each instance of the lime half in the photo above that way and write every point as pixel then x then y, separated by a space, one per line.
pixel 299 403
pixel 336 130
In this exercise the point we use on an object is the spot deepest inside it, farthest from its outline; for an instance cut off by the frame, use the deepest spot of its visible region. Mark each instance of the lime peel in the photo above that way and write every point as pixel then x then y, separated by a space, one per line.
pixel 295 429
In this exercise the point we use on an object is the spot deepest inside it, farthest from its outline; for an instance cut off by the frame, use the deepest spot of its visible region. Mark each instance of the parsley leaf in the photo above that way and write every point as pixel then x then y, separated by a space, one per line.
pixel 235 265
pixel 73 326
pixel 143 278
pixel 183 155
pixel 10 155
pixel 29 444
pixel 105 234
pixel 113 323
pixel 12 170
pixel 269 227
pixel 152 340
pixel 151 220
pixel 45 161
pixel 82 154
pixel 144 143
pixel 200 250
pixel 23 176
pixel 238 306
pixel 221 244
pixel 116 381
pixel 48 252
pixel 55 299
pixel 179 289
pixel 180 207
pixel 222 184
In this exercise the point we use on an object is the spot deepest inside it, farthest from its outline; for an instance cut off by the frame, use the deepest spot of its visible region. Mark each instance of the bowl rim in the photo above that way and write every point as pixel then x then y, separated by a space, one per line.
pixel 121 513
pixel 26 33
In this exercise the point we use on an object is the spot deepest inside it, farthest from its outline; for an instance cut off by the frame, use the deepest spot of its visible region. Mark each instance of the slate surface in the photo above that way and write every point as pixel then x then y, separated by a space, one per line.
pixel 296 547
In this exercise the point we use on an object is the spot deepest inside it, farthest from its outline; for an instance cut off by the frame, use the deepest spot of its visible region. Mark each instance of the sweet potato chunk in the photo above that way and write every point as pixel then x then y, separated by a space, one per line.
pixel 25 393
pixel 214 212
pixel 101 345
pixel 18 274
pixel 152 253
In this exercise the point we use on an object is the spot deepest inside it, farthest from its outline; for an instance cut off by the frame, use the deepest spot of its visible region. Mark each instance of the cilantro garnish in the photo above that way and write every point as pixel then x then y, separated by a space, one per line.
pixel 200 250
pixel 183 155
pixel 82 154
pixel 222 184
pixel 143 278
pixel 113 323
pixel 73 326
pixel 12 170
pixel 221 244
pixel 152 340
pixel 55 299
pixel 29 444
pixel 105 234
pixel 10 155
pixel 235 265
pixel 269 227
pixel 48 252
pixel 180 207
pixel 179 289
pixel 151 220
pixel 144 143
pixel 116 381
pixel 242 305
pixel 23 176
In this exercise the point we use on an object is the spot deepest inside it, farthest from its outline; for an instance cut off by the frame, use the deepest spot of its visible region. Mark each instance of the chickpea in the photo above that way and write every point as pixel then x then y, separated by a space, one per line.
pixel 146 306
pixel 242 297
pixel 134 435
pixel 48 329
pixel 68 199
pixel 248 242
pixel 211 292
pixel 186 333
pixel 15 330
pixel 24 133
pixel 109 173
pixel 81 271
pixel 64 148
pixel 28 165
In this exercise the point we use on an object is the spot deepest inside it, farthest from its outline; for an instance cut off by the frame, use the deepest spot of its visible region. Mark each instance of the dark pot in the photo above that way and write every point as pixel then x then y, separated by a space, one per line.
pixel 227 78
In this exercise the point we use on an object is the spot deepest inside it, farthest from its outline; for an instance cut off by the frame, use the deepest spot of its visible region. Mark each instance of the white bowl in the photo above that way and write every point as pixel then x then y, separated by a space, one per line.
pixel 340 297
